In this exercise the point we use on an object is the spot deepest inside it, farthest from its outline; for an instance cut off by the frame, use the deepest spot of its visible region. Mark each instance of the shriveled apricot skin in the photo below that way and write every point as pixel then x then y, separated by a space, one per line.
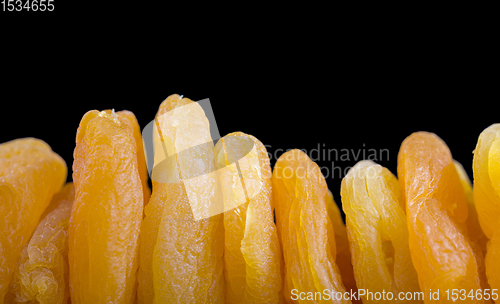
pixel 149 228
pixel 30 174
pixel 181 258
pixel 187 258
pixel 377 231
pixel 107 212
pixel 343 255
pixel 475 232
pixel 436 209
pixel 149 234
pixel 477 238
pixel 492 263
pixel 304 227
pixel 251 254
pixel 130 119
pixel 42 274
pixel 486 167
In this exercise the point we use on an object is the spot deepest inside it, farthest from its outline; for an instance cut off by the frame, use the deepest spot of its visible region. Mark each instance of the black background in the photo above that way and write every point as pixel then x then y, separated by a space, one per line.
pixel 289 89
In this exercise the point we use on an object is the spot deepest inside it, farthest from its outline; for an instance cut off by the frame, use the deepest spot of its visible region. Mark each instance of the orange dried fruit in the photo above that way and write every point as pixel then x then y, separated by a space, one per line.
pixel 477 238
pixel 107 211
pixel 42 274
pixel 181 257
pixel 305 230
pixel 486 171
pixel 436 210
pixel 130 119
pixel 474 229
pixel 149 234
pixel 486 167
pixel 342 254
pixel 251 254
pixel 377 231
pixel 30 174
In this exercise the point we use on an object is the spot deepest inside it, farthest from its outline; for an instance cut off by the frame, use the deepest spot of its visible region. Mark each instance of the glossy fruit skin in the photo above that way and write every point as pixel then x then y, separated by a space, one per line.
pixel 436 209
pixel 342 254
pixel 107 212
pixel 477 238
pixel 486 167
pixel 181 257
pixel 377 231
pixel 30 174
pixel 304 228
pixel 42 273
pixel 252 253
pixel 475 232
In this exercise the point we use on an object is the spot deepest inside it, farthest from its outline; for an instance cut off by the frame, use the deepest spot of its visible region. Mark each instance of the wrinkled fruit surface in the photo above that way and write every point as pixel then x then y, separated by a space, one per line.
pixel 436 209
pixel 304 227
pixel 182 258
pixel 477 238
pixel 42 274
pixel 252 252
pixel 30 174
pixel 377 231
pixel 107 211
pixel 130 119
pixel 486 168
pixel 343 255
pixel 474 229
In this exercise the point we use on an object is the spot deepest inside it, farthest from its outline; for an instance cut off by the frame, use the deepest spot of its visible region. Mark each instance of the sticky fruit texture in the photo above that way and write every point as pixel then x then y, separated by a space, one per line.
pixel 486 167
pixel 251 253
pixel 30 174
pixel 474 229
pixel 130 119
pixel 343 255
pixel 304 228
pixel 477 238
pixel 436 210
pixel 181 257
pixel 377 231
pixel 107 211
pixel 42 274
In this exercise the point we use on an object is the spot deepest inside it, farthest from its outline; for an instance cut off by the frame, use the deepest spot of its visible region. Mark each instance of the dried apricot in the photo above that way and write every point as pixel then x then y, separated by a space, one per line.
pixel 474 229
pixel 377 231
pixel 42 274
pixel 436 210
pixel 130 119
pixel 343 255
pixel 149 235
pixel 477 238
pixel 486 167
pixel 107 211
pixel 305 230
pixel 486 170
pixel 30 174
pixel 182 251
pixel 251 254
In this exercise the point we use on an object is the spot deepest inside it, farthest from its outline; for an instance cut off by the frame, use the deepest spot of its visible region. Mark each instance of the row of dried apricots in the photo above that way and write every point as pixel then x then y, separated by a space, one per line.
pixel 106 238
